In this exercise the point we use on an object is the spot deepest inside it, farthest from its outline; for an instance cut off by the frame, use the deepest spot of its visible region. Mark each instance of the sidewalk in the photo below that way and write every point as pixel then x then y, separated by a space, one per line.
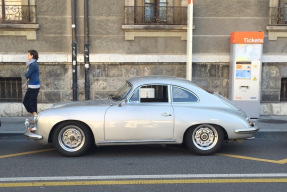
pixel 270 126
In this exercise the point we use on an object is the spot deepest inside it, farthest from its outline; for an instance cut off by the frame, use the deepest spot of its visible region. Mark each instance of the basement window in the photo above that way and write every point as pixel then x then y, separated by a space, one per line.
pixel 283 92
pixel 10 89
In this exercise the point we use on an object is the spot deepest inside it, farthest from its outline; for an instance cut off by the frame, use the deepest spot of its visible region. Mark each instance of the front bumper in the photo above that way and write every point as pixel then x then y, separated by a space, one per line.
pixel 29 134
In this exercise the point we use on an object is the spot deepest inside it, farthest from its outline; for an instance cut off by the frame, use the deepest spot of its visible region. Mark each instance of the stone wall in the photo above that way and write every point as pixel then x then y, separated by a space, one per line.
pixel 105 78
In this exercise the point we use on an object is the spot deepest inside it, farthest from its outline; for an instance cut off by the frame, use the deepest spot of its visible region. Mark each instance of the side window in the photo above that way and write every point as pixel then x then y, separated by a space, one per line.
pixel 151 93
pixel 182 95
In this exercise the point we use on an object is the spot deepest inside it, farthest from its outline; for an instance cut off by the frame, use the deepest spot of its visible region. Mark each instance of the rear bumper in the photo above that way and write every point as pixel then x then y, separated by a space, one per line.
pixel 250 130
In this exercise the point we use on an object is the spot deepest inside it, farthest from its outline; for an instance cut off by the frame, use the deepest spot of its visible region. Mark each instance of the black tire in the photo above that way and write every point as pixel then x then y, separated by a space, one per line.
pixel 72 139
pixel 204 139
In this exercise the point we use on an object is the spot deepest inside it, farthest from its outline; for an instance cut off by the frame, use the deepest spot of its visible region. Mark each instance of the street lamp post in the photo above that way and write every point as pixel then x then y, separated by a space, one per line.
pixel 189 40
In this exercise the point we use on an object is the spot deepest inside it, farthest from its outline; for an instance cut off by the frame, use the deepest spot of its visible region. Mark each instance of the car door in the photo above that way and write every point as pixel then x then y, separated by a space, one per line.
pixel 146 116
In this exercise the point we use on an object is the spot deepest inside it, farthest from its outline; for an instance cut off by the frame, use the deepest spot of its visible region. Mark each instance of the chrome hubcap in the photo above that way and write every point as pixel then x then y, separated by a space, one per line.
pixel 205 137
pixel 71 138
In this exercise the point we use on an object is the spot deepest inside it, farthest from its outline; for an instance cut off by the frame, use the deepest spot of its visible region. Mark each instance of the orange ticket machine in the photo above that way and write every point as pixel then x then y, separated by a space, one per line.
pixel 245 71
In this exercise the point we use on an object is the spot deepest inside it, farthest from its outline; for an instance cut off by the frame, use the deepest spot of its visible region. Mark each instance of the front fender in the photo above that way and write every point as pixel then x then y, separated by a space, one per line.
pixel 93 117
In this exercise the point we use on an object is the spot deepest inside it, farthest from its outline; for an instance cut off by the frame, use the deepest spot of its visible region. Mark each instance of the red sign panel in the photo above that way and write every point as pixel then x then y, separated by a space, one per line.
pixel 247 37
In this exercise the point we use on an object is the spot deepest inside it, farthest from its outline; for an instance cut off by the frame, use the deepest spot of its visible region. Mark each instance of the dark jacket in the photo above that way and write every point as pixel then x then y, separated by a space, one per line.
pixel 33 74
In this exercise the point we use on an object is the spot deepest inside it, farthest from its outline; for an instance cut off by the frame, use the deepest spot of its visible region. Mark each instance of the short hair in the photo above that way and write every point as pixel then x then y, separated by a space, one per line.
pixel 34 53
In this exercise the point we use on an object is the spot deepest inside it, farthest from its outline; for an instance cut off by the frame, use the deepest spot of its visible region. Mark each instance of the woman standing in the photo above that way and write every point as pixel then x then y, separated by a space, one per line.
pixel 32 75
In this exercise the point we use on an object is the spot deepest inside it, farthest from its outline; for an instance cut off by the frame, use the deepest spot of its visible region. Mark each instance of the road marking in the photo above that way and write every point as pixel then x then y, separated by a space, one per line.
pixel 26 153
pixel 283 161
pixel 122 177
pixel 143 182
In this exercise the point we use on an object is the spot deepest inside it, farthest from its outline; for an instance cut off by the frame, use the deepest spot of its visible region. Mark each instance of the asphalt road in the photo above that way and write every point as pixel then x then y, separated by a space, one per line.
pixel 260 165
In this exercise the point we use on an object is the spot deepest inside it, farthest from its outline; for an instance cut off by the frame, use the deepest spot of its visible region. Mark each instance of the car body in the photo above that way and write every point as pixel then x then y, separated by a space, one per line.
pixel 145 110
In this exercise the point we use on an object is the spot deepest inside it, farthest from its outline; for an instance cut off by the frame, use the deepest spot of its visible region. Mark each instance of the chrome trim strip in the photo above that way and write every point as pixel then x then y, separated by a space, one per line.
pixel 145 142
pixel 246 131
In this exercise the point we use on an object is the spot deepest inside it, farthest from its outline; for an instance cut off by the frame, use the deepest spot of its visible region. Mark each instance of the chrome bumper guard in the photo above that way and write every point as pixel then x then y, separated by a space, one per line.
pixel 29 134
pixel 247 131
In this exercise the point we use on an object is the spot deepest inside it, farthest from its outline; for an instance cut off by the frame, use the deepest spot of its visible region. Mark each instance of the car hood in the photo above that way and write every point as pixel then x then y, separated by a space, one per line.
pixel 96 102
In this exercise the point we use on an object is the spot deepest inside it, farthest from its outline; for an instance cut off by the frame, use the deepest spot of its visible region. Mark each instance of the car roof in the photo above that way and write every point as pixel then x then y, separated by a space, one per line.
pixel 205 95
pixel 136 81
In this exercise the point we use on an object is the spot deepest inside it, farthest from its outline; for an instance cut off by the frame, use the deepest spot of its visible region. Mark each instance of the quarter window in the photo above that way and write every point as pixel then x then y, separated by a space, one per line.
pixel 182 95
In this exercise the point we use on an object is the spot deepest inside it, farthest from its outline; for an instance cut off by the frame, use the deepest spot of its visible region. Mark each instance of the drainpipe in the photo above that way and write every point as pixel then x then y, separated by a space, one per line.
pixel 86 49
pixel 3 10
pixel 189 40
pixel 74 51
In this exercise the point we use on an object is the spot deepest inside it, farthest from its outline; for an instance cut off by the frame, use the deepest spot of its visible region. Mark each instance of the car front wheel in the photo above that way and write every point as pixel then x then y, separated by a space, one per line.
pixel 204 139
pixel 72 139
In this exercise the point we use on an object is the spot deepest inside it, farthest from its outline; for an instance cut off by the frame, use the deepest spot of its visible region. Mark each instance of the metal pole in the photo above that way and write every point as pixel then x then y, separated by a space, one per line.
pixel 29 10
pixel 74 51
pixel 189 40
pixel 86 49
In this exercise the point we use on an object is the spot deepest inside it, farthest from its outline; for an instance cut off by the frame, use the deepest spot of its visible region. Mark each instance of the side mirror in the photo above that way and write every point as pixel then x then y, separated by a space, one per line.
pixel 122 102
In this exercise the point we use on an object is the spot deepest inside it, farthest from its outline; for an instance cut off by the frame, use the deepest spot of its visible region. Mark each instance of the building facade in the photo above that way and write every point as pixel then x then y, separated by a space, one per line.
pixel 129 38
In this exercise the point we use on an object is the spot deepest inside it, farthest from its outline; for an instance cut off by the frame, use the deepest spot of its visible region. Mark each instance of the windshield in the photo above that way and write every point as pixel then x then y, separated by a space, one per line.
pixel 122 92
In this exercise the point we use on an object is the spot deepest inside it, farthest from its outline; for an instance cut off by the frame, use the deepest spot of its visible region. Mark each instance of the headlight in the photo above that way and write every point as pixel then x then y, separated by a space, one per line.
pixel 35 119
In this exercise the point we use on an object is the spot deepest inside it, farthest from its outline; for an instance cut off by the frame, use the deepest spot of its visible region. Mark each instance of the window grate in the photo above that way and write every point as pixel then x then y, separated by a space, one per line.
pixel 155 14
pixel 11 89
pixel 15 13
pixel 283 93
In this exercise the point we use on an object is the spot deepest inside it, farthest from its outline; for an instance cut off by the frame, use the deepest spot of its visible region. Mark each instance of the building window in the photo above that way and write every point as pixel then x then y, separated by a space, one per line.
pixel 155 11
pixel 278 12
pixel 14 11
pixel 283 92
pixel 10 89
pixel 277 19
pixel 155 18
pixel 160 12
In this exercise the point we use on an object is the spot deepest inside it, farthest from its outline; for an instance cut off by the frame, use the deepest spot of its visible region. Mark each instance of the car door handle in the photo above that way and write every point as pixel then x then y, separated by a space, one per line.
pixel 165 114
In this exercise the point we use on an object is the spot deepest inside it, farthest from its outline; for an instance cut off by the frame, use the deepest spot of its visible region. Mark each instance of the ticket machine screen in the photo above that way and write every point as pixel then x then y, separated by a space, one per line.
pixel 243 70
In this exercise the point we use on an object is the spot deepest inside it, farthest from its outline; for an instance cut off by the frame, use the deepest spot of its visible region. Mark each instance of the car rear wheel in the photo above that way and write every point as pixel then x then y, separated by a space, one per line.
pixel 72 139
pixel 204 139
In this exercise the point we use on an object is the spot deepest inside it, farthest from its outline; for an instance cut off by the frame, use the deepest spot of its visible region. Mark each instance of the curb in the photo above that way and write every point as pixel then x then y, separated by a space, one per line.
pixel 12 136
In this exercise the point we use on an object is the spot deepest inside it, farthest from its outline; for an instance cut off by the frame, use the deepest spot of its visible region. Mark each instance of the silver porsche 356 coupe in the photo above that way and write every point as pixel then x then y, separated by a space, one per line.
pixel 145 110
